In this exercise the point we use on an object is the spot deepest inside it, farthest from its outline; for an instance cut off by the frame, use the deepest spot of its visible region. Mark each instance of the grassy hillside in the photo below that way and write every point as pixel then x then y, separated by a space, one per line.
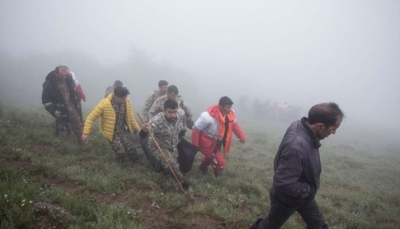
pixel 47 181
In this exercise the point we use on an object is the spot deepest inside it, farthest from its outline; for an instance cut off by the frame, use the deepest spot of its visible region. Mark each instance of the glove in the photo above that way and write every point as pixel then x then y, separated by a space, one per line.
pixel 182 133
pixel 189 124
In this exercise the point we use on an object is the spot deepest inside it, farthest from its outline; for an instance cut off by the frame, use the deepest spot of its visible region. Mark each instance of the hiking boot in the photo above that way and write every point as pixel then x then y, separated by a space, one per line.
pixel 203 168
pixel 255 224
pixel 185 185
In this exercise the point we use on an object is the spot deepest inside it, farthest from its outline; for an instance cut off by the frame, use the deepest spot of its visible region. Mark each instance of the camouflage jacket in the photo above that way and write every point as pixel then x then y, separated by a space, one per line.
pixel 158 107
pixel 165 132
pixel 149 102
pixel 109 90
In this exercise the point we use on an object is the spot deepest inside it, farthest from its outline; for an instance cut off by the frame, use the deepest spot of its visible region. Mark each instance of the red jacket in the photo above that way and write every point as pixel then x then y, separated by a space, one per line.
pixel 209 127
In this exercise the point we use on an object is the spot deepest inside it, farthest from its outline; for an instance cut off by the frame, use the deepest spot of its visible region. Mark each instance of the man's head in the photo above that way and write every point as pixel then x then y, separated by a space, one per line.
pixel 324 119
pixel 170 110
pixel 225 105
pixel 172 92
pixel 163 85
pixel 61 72
pixel 120 95
pixel 68 70
pixel 118 83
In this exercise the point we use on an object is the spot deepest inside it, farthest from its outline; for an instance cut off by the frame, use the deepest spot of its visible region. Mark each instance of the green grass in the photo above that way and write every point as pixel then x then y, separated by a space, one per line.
pixel 359 189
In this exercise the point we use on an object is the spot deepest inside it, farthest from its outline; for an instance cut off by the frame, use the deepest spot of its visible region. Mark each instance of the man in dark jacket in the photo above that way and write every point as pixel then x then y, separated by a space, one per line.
pixel 297 169
pixel 61 100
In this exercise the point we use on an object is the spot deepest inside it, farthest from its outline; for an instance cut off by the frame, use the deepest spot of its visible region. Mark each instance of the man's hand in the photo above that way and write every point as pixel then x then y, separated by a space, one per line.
pixel 146 127
pixel 181 134
pixel 84 137
pixel 242 141
pixel 57 113
pixel 189 123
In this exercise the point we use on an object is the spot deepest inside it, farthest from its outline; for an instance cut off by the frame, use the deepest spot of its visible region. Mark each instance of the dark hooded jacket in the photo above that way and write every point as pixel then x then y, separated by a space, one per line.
pixel 297 166
pixel 52 98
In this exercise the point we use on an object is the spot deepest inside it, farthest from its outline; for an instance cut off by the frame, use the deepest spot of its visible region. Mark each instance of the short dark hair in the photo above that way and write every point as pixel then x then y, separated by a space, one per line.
pixel 225 100
pixel 118 83
pixel 173 89
pixel 325 113
pixel 162 83
pixel 171 104
pixel 121 92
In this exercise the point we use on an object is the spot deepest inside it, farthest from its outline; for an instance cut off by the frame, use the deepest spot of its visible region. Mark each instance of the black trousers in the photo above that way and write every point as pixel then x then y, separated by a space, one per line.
pixel 279 214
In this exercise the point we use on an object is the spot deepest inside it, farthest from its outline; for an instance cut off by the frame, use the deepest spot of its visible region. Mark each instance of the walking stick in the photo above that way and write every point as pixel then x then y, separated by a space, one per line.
pixel 165 159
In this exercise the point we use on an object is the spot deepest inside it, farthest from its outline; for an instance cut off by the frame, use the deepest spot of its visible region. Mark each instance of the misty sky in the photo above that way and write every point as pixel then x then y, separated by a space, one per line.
pixel 303 52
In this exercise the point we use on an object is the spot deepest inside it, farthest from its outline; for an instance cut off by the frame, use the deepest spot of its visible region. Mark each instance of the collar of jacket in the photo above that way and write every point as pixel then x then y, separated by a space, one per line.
pixel 314 139
pixel 215 113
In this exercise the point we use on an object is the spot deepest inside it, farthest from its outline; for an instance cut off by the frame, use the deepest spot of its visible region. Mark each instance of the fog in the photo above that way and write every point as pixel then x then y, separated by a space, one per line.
pixel 301 52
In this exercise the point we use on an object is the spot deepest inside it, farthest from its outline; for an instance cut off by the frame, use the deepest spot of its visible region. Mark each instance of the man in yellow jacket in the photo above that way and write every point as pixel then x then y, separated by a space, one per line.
pixel 117 123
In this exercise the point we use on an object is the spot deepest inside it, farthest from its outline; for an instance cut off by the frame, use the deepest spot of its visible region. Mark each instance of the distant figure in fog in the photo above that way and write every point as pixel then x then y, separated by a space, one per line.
pixel 282 111
pixel 212 134
pixel 162 90
pixel 110 89
pixel 297 169
pixel 117 123
pixel 62 101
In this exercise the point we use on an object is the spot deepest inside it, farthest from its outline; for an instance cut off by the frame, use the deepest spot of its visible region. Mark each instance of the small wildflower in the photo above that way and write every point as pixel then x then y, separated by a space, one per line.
pixel 23 201
pixel 5 196
pixel 22 205
pixel 30 202
pixel 128 213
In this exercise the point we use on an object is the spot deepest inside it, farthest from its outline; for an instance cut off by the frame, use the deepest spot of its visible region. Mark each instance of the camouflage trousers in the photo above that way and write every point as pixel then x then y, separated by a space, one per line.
pixel 73 122
pixel 171 158
pixel 122 145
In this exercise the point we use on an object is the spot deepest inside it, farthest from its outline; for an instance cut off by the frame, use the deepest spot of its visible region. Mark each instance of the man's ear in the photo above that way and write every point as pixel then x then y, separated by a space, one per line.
pixel 321 126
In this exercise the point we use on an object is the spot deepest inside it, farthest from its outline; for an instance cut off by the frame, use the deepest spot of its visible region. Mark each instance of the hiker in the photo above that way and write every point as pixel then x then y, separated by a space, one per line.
pixel 172 93
pixel 62 101
pixel 212 131
pixel 110 89
pixel 297 169
pixel 167 129
pixel 117 123
pixel 162 90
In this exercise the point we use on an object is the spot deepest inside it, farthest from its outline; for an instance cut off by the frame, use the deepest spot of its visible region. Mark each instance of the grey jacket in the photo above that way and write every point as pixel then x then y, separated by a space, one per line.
pixel 297 166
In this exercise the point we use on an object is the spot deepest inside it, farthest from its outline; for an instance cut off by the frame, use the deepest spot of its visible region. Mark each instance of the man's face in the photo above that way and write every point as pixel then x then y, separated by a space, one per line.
pixel 171 114
pixel 61 74
pixel 120 100
pixel 225 109
pixel 172 96
pixel 324 132
pixel 164 89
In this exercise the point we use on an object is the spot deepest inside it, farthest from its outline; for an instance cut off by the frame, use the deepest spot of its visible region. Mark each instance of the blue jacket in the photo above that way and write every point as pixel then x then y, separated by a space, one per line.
pixel 297 166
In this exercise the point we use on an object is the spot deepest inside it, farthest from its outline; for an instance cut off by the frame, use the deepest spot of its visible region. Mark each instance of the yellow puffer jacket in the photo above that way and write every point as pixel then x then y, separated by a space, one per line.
pixel 105 110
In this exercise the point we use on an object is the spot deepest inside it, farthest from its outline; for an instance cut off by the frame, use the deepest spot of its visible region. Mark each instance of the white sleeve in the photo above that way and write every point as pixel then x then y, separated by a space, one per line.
pixel 74 79
pixel 202 122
